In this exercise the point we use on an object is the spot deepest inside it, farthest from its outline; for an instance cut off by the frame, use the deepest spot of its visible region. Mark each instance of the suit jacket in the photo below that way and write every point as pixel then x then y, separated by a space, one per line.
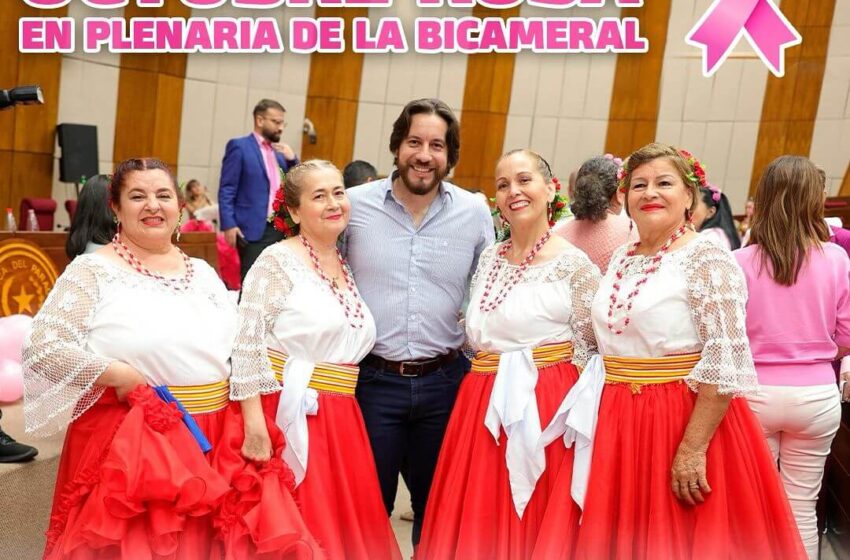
pixel 243 192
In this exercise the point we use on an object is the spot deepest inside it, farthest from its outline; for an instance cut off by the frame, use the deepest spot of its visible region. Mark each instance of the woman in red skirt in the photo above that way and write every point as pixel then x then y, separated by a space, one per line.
pixel 133 480
pixel 302 321
pixel 680 467
pixel 529 320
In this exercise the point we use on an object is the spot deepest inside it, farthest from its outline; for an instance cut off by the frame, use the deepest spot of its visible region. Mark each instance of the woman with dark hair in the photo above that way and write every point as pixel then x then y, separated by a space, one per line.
pixel 104 356
pixel 798 322
pixel 94 223
pixel 713 217
pixel 596 230
pixel 529 321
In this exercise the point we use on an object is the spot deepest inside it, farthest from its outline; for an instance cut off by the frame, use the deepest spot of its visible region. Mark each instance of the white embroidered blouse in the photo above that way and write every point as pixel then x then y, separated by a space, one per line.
pixel 550 303
pixel 99 312
pixel 286 306
pixel 694 302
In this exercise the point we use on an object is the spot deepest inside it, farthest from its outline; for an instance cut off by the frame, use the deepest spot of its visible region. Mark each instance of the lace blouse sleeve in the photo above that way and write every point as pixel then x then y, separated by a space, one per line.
pixel 717 294
pixel 583 285
pixel 264 294
pixel 59 373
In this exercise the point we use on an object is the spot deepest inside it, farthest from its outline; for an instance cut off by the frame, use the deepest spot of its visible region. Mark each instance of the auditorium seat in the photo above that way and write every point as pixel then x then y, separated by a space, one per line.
pixel 44 208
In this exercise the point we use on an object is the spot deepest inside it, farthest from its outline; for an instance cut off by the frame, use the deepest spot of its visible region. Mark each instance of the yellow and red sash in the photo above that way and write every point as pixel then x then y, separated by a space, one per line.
pixel 199 399
pixel 487 363
pixel 340 379
pixel 638 372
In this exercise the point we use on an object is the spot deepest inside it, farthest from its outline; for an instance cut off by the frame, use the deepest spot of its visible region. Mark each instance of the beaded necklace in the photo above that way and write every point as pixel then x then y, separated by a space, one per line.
pixel 614 303
pixel 517 273
pixel 355 316
pixel 177 284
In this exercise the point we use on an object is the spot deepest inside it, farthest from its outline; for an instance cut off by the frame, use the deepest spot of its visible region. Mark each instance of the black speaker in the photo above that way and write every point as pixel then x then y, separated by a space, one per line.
pixel 79 152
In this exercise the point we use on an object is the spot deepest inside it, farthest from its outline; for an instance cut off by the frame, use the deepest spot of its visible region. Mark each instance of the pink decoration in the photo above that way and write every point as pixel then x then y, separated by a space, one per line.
pixel 13 331
pixel 196 225
pixel 721 27
pixel 11 381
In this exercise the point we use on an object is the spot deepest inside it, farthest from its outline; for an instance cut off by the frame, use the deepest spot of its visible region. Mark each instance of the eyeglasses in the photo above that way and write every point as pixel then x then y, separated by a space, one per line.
pixel 277 122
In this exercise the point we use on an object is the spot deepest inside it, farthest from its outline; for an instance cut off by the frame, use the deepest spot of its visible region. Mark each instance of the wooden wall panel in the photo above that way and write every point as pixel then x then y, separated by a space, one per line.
pixel 333 92
pixel 845 184
pixel 791 102
pixel 633 116
pixel 27 133
pixel 486 101
pixel 150 96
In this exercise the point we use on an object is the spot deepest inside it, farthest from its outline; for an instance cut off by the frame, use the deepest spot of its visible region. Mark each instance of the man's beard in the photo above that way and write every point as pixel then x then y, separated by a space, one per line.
pixel 418 188
pixel 273 137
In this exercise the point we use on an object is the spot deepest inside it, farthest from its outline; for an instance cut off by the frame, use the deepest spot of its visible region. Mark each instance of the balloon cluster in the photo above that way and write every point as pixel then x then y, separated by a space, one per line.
pixel 14 329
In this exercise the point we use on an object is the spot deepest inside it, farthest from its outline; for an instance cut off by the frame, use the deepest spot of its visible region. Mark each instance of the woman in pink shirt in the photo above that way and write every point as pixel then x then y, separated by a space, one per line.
pixel 798 322
pixel 598 228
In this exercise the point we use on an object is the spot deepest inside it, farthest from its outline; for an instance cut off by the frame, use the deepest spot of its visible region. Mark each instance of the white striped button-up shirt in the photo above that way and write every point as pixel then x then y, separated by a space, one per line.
pixel 415 279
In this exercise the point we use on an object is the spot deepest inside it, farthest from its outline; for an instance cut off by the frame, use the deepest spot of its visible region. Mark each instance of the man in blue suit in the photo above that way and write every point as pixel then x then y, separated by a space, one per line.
pixel 250 179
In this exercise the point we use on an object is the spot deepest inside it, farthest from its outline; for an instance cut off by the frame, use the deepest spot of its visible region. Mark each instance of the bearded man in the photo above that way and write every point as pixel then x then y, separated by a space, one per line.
pixel 250 179
pixel 413 244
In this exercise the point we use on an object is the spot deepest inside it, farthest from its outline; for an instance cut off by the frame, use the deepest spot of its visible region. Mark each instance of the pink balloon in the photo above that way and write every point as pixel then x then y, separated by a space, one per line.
pixel 11 381
pixel 13 330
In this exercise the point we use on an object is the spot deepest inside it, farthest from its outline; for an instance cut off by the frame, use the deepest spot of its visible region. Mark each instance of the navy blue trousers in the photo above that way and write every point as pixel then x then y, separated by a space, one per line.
pixel 406 419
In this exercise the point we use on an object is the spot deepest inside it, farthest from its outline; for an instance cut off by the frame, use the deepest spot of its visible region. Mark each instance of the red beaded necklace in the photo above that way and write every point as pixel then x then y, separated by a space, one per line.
pixel 355 316
pixel 177 284
pixel 517 273
pixel 614 303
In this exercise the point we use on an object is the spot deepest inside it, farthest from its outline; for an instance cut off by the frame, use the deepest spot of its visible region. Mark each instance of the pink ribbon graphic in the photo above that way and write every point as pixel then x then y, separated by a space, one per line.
pixel 721 27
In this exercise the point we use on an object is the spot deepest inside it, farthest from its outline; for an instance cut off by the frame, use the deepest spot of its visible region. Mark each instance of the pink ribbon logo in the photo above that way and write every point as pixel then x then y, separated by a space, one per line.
pixel 721 27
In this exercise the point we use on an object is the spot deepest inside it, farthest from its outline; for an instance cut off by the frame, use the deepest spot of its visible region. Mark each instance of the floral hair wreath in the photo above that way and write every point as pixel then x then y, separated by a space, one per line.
pixel 697 175
pixel 280 217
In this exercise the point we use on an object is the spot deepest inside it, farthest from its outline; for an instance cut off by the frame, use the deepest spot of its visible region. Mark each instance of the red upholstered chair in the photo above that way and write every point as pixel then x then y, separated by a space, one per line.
pixel 44 208
pixel 71 208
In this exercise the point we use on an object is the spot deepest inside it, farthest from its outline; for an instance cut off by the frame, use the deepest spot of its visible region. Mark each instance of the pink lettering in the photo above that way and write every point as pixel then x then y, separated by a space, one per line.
pixel 46 35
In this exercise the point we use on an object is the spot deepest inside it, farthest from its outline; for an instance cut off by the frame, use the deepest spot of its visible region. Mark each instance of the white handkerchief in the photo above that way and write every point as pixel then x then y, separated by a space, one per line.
pixel 576 421
pixel 297 400
pixel 513 407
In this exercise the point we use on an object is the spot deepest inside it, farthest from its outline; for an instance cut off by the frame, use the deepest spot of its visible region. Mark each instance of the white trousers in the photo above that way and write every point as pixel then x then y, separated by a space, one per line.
pixel 799 424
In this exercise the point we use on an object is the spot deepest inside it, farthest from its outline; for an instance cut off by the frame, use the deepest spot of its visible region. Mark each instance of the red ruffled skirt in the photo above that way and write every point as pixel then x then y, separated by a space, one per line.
pixel 340 498
pixel 630 510
pixel 259 518
pixel 133 483
pixel 470 513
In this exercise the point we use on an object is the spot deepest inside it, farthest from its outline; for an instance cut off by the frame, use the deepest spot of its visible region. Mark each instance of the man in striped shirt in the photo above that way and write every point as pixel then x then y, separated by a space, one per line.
pixel 413 244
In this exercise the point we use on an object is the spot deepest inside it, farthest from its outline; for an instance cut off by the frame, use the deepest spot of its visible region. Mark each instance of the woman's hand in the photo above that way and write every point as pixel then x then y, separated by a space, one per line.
pixel 257 445
pixel 122 377
pixel 845 385
pixel 688 474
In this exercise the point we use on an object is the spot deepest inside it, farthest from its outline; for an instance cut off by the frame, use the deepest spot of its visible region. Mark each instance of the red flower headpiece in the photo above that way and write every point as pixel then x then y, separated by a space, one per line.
pixel 280 217
pixel 698 176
